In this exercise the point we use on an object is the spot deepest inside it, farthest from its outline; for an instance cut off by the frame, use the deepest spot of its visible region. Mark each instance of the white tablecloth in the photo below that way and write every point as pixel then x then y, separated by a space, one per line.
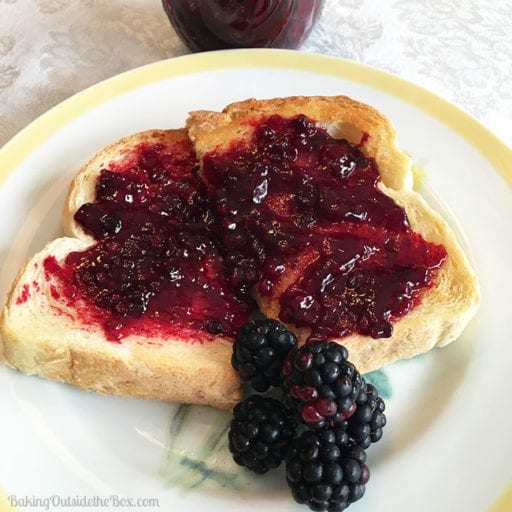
pixel 460 49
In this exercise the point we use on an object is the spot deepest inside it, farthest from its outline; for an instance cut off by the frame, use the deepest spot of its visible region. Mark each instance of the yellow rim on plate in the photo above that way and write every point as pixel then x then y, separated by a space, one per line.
pixel 504 502
pixel 6 503
pixel 35 134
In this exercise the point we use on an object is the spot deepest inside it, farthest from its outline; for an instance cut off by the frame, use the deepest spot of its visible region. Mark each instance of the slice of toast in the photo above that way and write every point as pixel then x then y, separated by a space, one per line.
pixel 440 311
pixel 52 330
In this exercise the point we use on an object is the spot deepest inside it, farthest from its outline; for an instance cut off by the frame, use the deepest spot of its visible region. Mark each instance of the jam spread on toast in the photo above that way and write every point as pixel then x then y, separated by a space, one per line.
pixel 292 213
pixel 302 219
pixel 155 269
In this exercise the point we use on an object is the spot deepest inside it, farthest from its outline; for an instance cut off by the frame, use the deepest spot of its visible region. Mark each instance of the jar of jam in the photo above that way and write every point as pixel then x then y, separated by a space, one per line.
pixel 218 24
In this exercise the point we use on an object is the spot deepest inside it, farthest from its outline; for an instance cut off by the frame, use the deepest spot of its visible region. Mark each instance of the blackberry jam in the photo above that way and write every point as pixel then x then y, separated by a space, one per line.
pixel 302 219
pixel 218 24
pixel 291 213
pixel 155 270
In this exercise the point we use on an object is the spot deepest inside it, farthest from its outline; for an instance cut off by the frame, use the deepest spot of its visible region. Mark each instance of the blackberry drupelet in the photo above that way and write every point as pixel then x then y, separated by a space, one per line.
pixel 259 351
pixel 320 384
pixel 260 433
pixel 366 424
pixel 325 470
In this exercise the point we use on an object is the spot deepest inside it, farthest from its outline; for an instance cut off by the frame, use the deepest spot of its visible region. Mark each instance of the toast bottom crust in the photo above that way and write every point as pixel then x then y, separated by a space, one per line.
pixel 111 375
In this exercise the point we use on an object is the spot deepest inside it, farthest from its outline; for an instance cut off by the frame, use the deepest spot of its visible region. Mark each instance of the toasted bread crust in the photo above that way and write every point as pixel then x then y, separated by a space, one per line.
pixel 446 308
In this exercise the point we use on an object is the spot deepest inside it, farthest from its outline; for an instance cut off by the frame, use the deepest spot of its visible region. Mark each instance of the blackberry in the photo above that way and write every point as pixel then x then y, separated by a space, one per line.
pixel 325 470
pixel 366 424
pixel 259 351
pixel 320 384
pixel 260 433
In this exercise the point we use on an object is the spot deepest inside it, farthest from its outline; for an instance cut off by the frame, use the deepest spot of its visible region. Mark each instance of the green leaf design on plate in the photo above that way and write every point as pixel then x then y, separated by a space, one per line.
pixel 380 380
pixel 196 452
pixel 189 463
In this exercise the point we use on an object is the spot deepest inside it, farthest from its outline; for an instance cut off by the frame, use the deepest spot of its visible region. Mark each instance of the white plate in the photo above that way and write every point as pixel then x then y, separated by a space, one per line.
pixel 448 443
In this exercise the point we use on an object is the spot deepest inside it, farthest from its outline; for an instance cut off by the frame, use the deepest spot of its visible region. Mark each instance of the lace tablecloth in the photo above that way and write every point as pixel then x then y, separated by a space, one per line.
pixel 459 49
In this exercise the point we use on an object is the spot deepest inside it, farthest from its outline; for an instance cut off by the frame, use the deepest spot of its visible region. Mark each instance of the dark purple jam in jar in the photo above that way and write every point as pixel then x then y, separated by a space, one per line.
pixel 219 24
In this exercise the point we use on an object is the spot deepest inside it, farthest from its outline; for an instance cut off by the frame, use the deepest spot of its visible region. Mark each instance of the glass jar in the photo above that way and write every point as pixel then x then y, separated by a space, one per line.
pixel 218 24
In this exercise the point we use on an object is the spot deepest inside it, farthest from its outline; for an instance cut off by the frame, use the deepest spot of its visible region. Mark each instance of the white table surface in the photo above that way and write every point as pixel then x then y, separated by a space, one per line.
pixel 459 49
